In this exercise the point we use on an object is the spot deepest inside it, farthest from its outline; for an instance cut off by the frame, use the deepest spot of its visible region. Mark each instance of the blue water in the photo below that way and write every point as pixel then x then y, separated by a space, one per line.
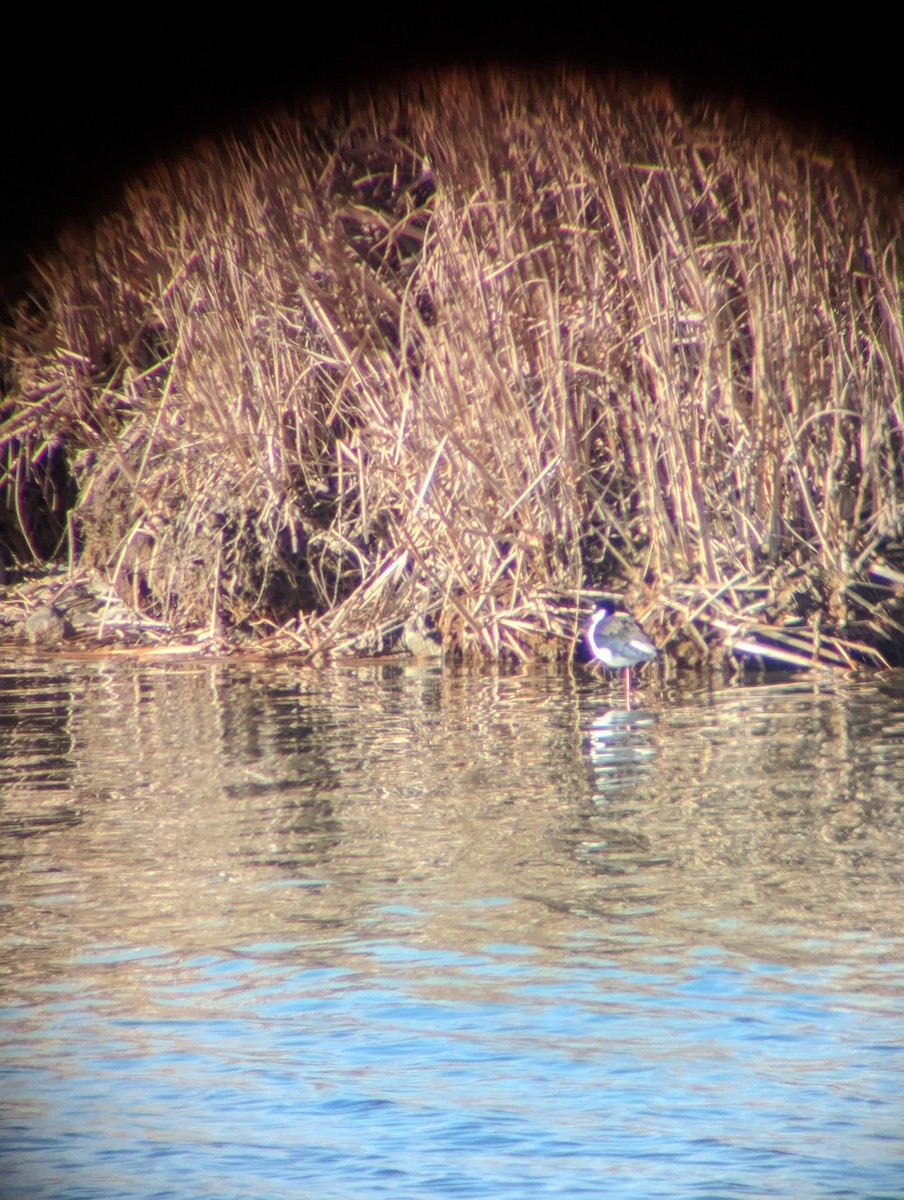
pixel 428 934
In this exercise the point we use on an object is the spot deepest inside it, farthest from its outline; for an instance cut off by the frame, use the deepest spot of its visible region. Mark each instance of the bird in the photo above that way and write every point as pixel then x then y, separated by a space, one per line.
pixel 618 642
pixel 46 626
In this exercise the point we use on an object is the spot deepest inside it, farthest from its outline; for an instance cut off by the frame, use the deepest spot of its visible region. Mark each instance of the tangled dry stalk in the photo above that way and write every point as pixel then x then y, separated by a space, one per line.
pixel 466 349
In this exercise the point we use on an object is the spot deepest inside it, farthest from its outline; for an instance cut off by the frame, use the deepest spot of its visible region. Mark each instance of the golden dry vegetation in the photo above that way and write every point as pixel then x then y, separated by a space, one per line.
pixel 474 348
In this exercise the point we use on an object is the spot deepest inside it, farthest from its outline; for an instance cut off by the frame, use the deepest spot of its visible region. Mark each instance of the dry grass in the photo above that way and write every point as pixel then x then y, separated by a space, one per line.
pixel 465 349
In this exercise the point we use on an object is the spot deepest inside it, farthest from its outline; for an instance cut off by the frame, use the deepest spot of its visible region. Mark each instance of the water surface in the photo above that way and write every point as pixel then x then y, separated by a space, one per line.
pixel 422 932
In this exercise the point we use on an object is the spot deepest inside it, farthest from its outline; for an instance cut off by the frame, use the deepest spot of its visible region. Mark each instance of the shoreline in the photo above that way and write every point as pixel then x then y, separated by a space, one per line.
pixel 77 616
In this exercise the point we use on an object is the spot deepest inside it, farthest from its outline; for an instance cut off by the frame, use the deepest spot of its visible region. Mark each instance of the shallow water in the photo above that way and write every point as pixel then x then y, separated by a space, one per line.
pixel 423 932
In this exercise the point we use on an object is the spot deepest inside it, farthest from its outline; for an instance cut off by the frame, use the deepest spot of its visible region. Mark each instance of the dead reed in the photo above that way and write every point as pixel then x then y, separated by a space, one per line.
pixel 467 349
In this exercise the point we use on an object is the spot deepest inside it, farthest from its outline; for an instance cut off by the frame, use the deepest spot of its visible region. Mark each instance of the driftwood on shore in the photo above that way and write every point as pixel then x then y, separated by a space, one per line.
pixel 470 352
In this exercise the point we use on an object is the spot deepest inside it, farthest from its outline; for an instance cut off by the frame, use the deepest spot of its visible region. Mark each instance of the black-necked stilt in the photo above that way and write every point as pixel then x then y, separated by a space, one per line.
pixel 618 642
